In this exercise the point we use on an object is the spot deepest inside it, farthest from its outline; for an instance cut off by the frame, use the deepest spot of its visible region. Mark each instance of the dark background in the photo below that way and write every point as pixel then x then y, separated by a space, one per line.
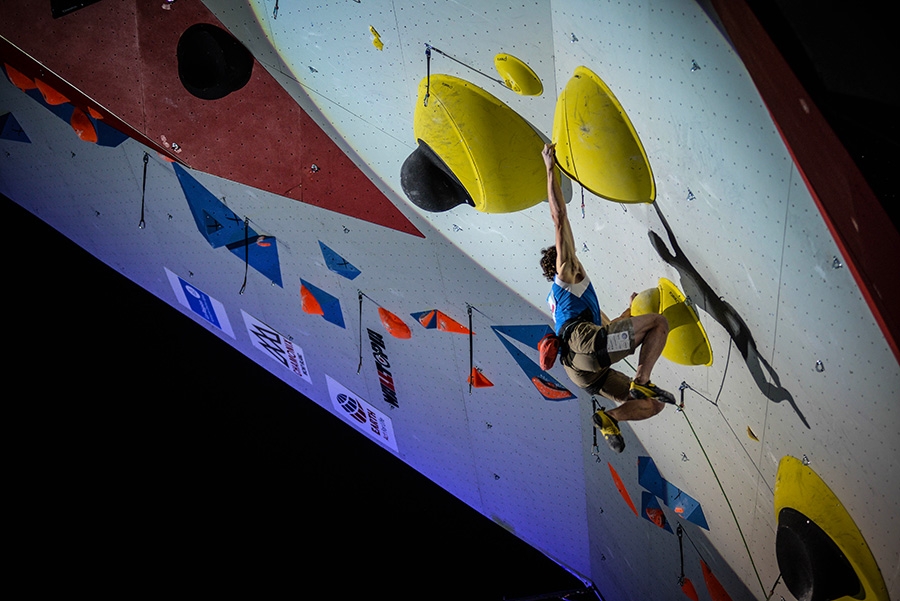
pixel 149 455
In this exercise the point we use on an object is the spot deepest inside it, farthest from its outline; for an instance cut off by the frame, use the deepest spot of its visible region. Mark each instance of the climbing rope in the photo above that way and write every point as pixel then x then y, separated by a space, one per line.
pixel 393 324
pixel 471 348
pixel 143 191
pixel 361 295
pixel 469 309
pixel 685 386
pixel 772 592
pixel 582 201
pixel 722 488
pixel 246 253
pixel 427 73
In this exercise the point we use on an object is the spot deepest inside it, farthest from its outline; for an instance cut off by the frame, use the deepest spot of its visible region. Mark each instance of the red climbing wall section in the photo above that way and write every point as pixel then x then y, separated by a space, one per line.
pixel 120 56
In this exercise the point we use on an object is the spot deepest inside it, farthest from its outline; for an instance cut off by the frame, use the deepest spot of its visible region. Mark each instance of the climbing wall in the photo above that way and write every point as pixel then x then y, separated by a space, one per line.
pixel 278 220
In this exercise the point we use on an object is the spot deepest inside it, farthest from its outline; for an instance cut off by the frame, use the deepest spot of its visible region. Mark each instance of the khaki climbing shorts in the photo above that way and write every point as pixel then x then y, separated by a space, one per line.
pixel 591 349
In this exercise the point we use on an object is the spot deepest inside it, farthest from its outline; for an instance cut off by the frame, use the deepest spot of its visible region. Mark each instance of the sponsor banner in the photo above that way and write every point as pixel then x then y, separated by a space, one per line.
pixel 200 303
pixel 282 350
pixel 361 414
pixel 382 365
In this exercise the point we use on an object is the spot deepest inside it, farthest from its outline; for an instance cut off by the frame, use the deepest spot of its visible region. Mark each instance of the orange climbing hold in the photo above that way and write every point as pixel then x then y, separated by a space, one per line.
pixel 83 126
pixel 550 390
pixel 477 379
pixel 18 79
pixel 446 324
pixel 715 588
pixel 393 324
pixel 621 487
pixel 425 318
pixel 309 304
pixel 50 95
pixel 656 516
pixel 688 587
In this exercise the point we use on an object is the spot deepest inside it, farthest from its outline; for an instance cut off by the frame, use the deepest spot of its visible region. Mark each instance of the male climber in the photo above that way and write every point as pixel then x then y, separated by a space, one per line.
pixel 589 344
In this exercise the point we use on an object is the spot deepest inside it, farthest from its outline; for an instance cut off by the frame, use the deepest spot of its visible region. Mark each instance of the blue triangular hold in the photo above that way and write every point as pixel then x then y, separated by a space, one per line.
pixel 672 497
pixel 261 254
pixel 222 227
pixel 218 224
pixel 650 478
pixel 337 263
pixel 11 130
pixel 546 384
pixel 331 306
pixel 527 335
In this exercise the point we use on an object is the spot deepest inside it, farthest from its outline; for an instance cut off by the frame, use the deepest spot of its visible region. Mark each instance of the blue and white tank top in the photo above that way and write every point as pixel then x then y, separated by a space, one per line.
pixel 570 300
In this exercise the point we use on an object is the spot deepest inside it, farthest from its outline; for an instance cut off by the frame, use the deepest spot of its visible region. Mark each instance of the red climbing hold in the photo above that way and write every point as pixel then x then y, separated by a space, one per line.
pixel 715 588
pixel 656 516
pixel 688 587
pixel 446 324
pixel 550 389
pixel 51 96
pixel 477 379
pixel 427 318
pixel 621 487
pixel 309 304
pixel 83 126
pixel 18 79
pixel 393 324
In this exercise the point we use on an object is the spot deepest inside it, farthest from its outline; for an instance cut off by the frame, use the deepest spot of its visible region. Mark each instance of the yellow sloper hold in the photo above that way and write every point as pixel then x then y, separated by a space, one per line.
pixel 493 152
pixel 376 39
pixel 518 76
pixel 687 343
pixel 596 144
pixel 797 486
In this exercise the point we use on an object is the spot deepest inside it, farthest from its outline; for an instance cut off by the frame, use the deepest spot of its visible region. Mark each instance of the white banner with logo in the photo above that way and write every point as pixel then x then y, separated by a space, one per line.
pixel 282 350
pixel 361 414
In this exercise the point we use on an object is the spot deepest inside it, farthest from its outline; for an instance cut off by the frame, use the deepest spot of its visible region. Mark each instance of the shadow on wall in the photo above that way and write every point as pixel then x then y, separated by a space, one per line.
pixel 704 296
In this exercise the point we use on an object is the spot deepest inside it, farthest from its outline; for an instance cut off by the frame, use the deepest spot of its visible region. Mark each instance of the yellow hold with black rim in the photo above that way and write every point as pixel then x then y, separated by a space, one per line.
pixel 799 489
pixel 491 150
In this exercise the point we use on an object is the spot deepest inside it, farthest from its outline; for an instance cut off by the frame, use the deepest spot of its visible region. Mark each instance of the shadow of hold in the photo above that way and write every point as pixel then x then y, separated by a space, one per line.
pixel 702 294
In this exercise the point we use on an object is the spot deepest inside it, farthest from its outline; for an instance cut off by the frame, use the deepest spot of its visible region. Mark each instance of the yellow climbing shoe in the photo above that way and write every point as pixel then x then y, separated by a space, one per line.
pixel 649 390
pixel 609 427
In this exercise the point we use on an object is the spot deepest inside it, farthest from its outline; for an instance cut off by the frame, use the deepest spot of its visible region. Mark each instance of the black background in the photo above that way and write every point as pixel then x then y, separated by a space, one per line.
pixel 149 455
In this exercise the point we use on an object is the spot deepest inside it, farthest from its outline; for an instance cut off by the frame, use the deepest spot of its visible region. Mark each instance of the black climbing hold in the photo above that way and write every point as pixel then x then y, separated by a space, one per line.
pixel 812 565
pixel 429 183
pixel 211 62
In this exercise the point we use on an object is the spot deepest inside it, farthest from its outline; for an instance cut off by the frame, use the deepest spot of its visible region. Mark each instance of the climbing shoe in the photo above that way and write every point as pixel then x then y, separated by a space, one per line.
pixel 609 427
pixel 650 390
